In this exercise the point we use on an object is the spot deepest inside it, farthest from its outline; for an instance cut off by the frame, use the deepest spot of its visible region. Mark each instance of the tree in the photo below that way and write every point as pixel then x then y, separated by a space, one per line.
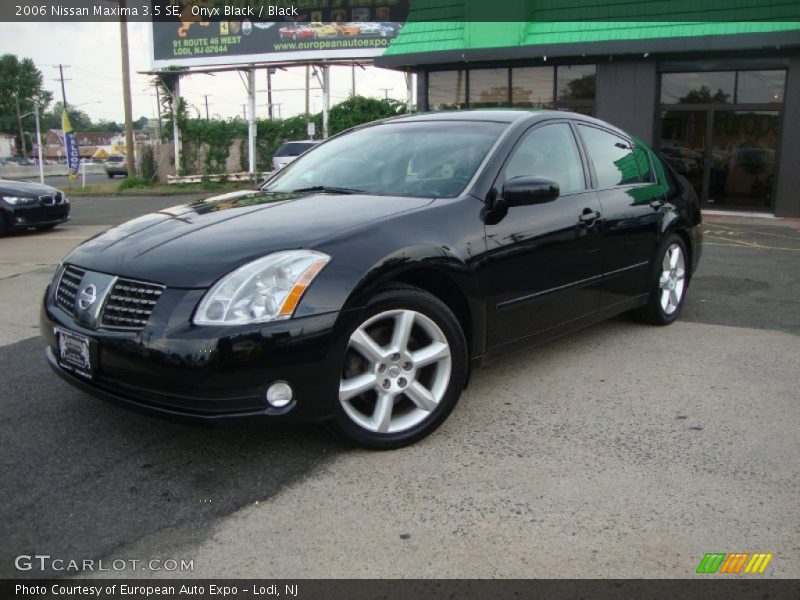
pixel 79 120
pixel 20 91
pixel 703 95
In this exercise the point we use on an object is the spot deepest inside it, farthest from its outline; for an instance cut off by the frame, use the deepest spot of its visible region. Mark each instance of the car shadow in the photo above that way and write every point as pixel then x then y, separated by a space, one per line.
pixel 82 477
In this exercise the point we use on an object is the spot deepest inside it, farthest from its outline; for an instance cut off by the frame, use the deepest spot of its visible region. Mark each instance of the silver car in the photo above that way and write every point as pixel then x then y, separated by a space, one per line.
pixel 290 151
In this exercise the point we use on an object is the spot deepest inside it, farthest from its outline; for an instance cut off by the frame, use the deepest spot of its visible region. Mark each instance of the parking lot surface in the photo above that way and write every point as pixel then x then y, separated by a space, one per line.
pixel 621 451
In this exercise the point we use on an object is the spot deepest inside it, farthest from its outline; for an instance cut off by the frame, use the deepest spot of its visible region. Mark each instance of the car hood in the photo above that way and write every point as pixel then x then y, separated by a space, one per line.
pixel 24 188
pixel 193 245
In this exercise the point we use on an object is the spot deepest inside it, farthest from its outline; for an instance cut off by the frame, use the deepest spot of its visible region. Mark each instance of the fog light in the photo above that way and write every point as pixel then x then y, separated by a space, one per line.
pixel 279 394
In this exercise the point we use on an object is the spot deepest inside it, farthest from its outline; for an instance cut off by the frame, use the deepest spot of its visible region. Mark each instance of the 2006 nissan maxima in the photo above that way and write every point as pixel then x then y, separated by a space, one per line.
pixel 362 284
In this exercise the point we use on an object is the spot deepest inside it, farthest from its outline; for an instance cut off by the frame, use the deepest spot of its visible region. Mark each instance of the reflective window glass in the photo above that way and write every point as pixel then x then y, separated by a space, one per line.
pixel 532 87
pixel 548 151
pixel 447 90
pixel 576 82
pixel 488 88
pixel 709 87
pixel 612 157
pixel 760 86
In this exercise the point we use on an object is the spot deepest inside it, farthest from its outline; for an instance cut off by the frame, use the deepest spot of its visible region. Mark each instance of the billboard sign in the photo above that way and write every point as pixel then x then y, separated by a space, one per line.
pixel 316 30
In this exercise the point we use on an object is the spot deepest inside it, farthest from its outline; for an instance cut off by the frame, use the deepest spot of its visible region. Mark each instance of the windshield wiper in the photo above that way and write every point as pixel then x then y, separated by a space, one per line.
pixel 330 189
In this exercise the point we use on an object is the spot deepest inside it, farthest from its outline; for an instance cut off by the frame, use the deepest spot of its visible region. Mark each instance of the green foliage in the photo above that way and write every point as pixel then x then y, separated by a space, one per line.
pixel 21 89
pixel 270 134
pixel 357 110
pixel 131 182
pixel 147 164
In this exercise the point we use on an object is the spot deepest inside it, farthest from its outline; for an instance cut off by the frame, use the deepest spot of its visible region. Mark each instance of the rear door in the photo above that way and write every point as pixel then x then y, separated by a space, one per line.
pixel 544 261
pixel 630 205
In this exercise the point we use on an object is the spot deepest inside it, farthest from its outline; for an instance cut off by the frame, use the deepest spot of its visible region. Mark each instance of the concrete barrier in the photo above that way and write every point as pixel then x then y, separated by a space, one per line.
pixel 32 172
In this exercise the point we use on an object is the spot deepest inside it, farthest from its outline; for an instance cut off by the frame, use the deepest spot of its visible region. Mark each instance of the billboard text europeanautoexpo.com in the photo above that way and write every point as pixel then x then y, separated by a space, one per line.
pixel 208 32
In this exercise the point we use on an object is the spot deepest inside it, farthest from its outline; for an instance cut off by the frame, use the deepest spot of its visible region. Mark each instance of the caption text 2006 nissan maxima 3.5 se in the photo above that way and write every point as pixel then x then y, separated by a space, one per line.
pixel 361 284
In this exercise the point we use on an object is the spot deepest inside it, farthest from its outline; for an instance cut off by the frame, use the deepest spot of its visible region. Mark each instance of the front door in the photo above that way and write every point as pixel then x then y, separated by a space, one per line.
pixel 544 261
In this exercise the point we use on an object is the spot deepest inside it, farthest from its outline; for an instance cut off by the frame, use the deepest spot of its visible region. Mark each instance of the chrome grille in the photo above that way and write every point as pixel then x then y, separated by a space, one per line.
pixel 129 304
pixel 68 287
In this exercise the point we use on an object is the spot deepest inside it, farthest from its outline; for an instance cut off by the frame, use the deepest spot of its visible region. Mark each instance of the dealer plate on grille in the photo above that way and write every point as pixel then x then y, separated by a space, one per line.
pixel 74 352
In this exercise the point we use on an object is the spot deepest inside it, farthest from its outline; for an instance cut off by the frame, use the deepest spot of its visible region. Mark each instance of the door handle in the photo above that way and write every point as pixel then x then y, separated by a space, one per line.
pixel 588 216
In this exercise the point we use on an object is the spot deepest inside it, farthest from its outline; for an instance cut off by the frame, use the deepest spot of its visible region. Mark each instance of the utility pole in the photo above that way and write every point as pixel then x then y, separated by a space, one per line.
pixel 386 91
pixel 19 124
pixel 353 77
pixel 126 92
pixel 158 105
pixel 269 94
pixel 63 87
pixel 308 88
pixel 206 97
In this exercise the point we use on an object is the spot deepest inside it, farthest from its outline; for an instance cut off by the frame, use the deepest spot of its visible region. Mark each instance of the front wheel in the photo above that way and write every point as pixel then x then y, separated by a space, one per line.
pixel 404 369
pixel 668 283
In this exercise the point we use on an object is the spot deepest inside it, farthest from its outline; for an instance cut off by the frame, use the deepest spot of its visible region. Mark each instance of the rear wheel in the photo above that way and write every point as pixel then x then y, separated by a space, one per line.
pixel 668 283
pixel 404 369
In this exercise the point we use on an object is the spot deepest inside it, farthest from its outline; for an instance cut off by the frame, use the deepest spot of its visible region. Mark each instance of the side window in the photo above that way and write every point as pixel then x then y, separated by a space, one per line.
pixel 644 164
pixel 549 151
pixel 612 157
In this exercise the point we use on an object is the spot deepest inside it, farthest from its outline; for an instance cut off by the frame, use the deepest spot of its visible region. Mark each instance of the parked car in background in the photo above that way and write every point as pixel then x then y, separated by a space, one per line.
pixel 18 160
pixel 363 283
pixel 25 205
pixel 116 165
pixel 289 151
pixel 299 31
pixel 374 29
pixel 323 30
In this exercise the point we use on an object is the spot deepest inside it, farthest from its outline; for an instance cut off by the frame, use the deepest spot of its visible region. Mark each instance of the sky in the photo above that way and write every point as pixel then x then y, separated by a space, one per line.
pixel 95 82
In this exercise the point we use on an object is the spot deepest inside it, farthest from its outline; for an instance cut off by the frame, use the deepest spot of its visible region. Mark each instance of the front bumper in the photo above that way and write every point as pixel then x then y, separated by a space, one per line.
pixel 211 374
pixel 35 215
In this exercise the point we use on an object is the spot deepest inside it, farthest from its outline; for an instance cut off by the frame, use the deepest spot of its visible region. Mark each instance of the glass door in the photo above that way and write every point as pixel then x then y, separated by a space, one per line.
pixel 683 143
pixel 742 158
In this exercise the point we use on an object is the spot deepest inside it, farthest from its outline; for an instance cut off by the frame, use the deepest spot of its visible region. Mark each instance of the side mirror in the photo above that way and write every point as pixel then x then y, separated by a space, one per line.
pixel 524 191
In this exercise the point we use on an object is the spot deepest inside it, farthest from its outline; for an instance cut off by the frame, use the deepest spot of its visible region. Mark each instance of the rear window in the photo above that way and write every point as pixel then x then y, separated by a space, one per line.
pixel 294 148
pixel 114 159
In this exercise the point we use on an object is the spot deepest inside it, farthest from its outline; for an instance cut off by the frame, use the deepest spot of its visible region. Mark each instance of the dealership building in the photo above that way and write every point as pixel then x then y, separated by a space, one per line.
pixel 720 100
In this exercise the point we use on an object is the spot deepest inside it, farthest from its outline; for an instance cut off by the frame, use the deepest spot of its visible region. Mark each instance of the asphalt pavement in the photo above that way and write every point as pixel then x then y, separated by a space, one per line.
pixel 620 451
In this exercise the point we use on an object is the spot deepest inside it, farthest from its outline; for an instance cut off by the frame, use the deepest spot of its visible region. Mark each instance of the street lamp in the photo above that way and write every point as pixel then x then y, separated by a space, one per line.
pixel 38 141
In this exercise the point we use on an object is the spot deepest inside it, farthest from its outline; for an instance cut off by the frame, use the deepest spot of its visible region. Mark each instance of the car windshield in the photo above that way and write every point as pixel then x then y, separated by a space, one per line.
pixel 416 159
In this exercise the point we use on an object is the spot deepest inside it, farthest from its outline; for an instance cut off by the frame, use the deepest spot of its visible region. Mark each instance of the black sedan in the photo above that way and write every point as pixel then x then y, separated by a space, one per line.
pixel 26 205
pixel 363 283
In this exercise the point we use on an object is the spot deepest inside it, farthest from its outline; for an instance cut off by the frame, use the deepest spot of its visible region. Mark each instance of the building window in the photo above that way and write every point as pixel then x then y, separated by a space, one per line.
pixel 447 90
pixel 532 87
pixel 567 87
pixel 760 87
pixel 712 87
pixel 488 88
pixel 576 82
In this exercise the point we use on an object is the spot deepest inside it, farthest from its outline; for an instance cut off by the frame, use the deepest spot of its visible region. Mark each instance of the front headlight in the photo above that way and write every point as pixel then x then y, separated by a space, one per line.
pixel 266 289
pixel 18 200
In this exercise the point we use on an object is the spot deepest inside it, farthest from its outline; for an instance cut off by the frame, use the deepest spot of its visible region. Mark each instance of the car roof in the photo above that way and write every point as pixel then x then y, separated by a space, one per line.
pixel 503 115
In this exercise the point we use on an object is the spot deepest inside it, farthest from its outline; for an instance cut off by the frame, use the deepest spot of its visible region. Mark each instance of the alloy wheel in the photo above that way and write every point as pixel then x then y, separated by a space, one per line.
pixel 672 281
pixel 396 372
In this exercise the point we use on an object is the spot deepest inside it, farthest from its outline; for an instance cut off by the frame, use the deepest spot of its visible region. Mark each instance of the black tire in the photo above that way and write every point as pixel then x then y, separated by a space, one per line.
pixel 653 312
pixel 110 175
pixel 411 298
pixel 3 225
pixel 46 227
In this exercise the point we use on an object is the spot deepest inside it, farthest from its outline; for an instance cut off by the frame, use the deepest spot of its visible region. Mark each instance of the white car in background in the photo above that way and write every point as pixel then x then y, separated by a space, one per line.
pixel 289 151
